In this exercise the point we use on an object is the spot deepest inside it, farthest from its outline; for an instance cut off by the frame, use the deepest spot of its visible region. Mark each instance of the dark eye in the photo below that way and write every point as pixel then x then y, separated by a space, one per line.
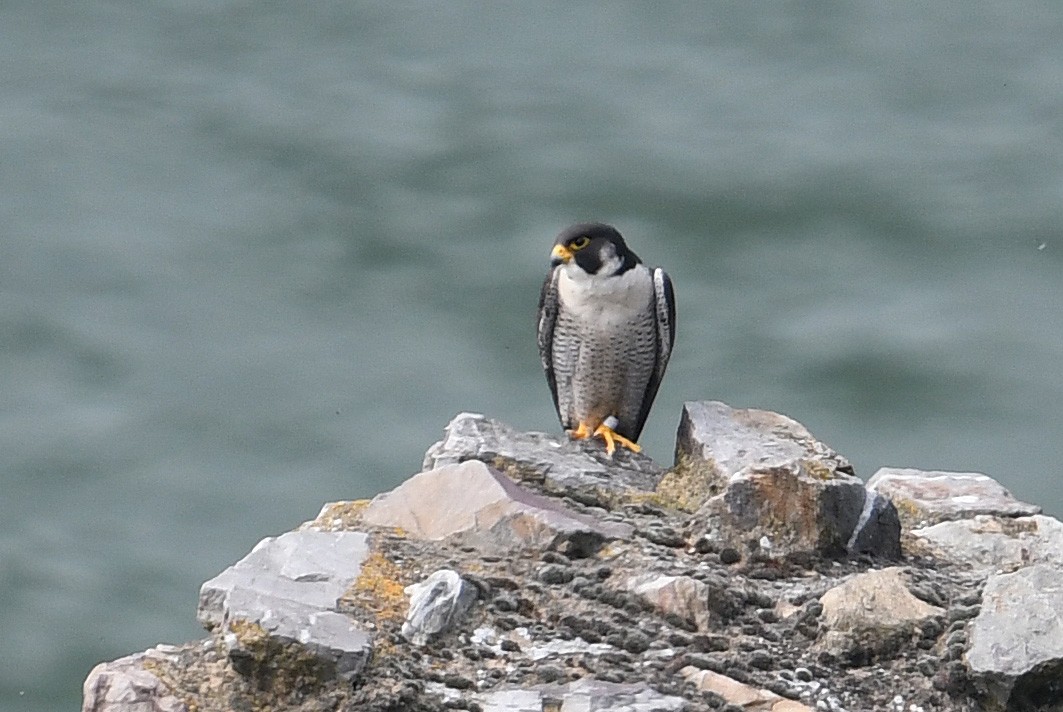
pixel 580 242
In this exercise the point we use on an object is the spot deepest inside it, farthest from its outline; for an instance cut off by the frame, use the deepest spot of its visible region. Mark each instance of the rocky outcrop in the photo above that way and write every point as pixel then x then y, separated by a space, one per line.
pixel 767 487
pixel 872 615
pixel 927 497
pixel 1015 643
pixel 994 543
pixel 579 469
pixel 128 685
pixel 474 504
pixel 521 572
pixel 277 607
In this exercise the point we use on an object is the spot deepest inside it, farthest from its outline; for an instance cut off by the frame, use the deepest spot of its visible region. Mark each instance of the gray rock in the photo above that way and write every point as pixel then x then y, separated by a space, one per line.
pixel 259 627
pixel 740 694
pixel 486 509
pixel 730 440
pixel 764 482
pixel 584 695
pixel 579 469
pixel 682 596
pixel 784 509
pixel 279 603
pixel 437 605
pixel 1015 644
pixel 878 531
pixel 872 614
pixel 925 497
pixel 310 567
pixel 124 685
pixel 994 543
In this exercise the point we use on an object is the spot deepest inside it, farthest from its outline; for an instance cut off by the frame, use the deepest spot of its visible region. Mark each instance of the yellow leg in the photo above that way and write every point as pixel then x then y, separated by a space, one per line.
pixel 612 439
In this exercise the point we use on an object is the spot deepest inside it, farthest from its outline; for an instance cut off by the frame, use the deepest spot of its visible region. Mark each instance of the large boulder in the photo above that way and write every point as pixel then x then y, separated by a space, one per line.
pixel 992 543
pixel 481 507
pixel 278 606
pixel 927 497
pixel 763 484
pixel 871 615
pixel 1015 643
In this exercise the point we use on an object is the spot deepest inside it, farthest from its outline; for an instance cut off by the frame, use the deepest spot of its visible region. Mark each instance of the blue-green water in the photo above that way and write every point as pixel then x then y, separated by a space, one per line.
pixel 254 256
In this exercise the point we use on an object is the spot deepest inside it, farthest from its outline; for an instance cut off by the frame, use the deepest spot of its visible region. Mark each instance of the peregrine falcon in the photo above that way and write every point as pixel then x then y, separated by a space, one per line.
pixel 606 329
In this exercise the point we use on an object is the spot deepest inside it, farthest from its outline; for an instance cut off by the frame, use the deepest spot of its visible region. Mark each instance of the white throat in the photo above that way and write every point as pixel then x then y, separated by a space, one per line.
pixel 605 294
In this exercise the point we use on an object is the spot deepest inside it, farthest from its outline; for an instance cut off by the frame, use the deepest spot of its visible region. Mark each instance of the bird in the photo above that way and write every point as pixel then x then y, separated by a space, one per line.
pixel 606 327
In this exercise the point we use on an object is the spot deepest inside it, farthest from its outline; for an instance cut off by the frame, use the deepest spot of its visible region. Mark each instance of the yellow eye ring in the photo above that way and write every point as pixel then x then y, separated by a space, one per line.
pixel 580 242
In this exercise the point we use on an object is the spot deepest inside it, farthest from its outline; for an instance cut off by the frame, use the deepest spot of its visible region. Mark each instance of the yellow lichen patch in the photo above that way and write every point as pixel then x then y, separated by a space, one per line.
pixel 909 512
pixel 816 468
pixel 686 486
pixel 378 590
pixel 339 516
pixel 249 634
pixel 515 471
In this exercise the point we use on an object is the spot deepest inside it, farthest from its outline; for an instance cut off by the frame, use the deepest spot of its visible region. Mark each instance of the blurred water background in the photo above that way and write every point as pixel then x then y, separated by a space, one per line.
pixel 254 256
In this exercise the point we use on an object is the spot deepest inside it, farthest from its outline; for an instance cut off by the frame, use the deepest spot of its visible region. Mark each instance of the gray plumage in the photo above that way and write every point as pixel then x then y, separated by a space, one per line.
pixel 606 330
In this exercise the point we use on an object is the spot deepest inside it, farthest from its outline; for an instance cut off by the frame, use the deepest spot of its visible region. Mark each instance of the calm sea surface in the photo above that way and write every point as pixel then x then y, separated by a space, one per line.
pixel 254 256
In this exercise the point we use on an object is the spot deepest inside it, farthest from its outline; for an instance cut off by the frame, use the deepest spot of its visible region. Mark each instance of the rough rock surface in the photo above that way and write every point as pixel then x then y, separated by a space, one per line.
pixel 1015 643
pixel 925 497
pixel 741 695
pixel 728 440
pixel 655 616
pixel 279 602
pixel 995 543
pixel 128 685
pixel 584 694
pixel 871 615
pixel 768 487
pixel 437 605
pixel 486 509
pixel 579 469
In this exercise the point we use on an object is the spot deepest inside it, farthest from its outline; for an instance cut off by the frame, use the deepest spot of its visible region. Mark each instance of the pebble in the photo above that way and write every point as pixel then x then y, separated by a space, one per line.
pixel 505 602
pixel 962 613
pixel 552 557
pixel 458 682
pixel 636 642
pixel 555 574
pixel 760 659
pixel 729 556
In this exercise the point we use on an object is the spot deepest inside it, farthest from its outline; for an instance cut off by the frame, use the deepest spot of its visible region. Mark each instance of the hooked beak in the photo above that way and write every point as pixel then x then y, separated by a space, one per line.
pixel 559 255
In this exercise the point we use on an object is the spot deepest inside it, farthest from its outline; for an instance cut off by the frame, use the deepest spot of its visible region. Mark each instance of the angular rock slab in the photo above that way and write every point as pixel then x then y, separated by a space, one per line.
pixel 283 594
pixel 740 694
pixel 990 543
pixel 878 531
pixel 785 509
pixel 760 477
pixel 437 604
pixel 1015 644
pixel 682 596
pixel 871 614
pixel 926 497
pixel 585 695
pixel 483 507
pixel 124 685
pixel 577 468
pixel 727 440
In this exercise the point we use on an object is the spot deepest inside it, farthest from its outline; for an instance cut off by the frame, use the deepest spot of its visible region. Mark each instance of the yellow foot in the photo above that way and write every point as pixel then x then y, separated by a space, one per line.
pixel 581 433
pixel 612 439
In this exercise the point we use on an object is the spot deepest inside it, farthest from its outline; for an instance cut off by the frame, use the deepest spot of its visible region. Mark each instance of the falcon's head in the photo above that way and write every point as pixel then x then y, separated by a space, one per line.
pixel 593 248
